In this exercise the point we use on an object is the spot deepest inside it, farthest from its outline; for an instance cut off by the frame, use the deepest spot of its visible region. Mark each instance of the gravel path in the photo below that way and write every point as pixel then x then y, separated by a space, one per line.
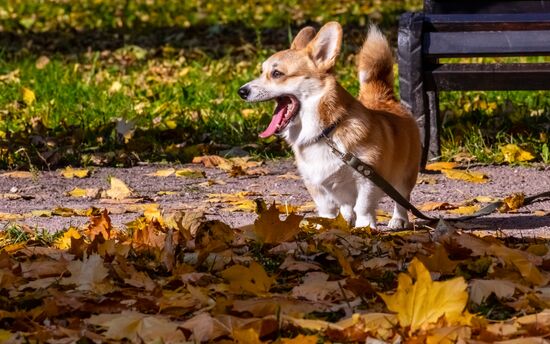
pixel 46 191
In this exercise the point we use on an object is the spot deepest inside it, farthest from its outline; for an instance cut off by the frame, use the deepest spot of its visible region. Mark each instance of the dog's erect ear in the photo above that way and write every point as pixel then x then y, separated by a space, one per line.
pixel 303 38
pixel 325 47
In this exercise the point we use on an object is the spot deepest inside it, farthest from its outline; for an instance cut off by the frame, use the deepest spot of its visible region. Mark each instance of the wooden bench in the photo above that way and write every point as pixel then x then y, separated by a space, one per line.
pixel 466 28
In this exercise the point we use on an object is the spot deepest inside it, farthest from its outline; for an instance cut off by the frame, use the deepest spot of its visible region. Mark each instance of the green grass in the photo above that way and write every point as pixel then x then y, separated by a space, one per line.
pixel 157 80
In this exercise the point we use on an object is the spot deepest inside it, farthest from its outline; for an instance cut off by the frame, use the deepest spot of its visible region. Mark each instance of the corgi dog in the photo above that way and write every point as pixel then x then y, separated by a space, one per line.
pixel 375 127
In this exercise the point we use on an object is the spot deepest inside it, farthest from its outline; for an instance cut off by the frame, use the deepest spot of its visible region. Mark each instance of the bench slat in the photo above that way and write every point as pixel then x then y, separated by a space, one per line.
pixel 488 77
pixel 481 6
pixel 486 43
pixel 484 22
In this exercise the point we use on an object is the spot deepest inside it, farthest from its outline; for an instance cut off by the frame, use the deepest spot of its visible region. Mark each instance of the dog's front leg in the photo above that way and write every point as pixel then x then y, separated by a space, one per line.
pixel 368 196
pixel 326 204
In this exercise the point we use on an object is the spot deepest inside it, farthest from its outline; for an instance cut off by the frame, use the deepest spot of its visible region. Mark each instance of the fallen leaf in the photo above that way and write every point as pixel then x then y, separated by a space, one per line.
pixel 253 280
pixel 238 201
pixel 439 261
pixel 17 174
pixel 42 62
pixel 78 192
pixel 70 173
pixel 419 301
pixel 210 160
pixel 300 339
pixel 465 210
pixel 138 327
pixel 519 260
pixel 163 173
pixel 118 189
pixel 88 275
pixel 438 166
pixel 481 289
pixel 190 173
pixel 430 206
pixel 246 336
pixel 468 176
pixel 269 228
pixel 512 202
pixel 64 242
pixel 316 287
pixel 513 153
pixel 28 96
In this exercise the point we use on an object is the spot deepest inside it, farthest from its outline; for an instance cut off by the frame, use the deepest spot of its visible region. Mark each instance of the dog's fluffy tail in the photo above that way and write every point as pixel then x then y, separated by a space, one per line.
pixel 375 64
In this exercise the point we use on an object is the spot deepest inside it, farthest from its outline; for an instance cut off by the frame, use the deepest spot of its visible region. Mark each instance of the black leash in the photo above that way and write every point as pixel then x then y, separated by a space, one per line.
pixel 368 172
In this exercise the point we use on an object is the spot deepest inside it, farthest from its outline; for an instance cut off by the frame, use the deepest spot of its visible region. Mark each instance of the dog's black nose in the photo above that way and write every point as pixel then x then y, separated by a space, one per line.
pixel 244 92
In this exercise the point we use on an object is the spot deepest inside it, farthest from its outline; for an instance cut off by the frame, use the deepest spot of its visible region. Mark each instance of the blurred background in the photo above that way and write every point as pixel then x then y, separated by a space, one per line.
pixel 121 82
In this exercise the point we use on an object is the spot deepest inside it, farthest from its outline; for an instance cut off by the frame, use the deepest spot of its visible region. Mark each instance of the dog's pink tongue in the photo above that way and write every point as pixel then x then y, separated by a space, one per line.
pixel 277 119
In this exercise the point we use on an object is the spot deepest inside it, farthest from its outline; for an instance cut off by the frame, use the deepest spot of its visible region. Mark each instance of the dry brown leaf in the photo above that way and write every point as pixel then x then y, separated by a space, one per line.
pixel 210 160
pixel 430 206
pixel 269 228
pixel 481 289
pixel 88 275
pixel 317 287
pixel 162 173
pixel 252 280
pixel 17 174
pixel 138 327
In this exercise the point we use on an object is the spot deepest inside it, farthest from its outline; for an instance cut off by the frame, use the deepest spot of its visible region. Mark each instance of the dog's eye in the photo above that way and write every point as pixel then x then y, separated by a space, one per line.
pixel 276 74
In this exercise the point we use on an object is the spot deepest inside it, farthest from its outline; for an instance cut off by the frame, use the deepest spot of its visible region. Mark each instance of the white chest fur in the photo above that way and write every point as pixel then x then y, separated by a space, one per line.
pixel 321 168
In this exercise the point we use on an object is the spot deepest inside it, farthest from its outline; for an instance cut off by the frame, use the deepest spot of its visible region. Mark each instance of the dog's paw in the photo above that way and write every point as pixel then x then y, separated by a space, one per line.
pixel 366 221
pixel 398 223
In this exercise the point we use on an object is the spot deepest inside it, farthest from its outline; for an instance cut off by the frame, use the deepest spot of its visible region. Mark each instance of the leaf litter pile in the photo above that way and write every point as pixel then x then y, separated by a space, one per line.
pixel 173 278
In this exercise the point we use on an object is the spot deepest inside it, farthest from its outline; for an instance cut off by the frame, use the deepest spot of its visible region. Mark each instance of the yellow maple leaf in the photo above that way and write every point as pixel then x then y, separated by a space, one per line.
pixel 28 96
pixel 70 173
pixel 419 301
pixel 253 280
pixel 118 189
pixel 438 166
pixel 64 242
pixel 468 176
pixel 512 153
pixel 269 228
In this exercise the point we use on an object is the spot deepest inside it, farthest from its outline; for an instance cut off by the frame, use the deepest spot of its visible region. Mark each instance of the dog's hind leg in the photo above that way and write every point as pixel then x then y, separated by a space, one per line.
pixel 400 219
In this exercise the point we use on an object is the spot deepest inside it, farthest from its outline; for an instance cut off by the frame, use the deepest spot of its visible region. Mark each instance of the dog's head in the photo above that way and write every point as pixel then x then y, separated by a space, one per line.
pixel 294 78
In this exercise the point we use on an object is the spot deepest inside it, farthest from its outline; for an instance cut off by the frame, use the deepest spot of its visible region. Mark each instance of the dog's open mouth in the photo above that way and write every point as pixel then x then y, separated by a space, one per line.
pixel 287 108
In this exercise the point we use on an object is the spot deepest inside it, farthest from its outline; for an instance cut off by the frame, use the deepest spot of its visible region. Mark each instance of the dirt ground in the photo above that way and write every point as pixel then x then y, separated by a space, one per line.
pixel 31 200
